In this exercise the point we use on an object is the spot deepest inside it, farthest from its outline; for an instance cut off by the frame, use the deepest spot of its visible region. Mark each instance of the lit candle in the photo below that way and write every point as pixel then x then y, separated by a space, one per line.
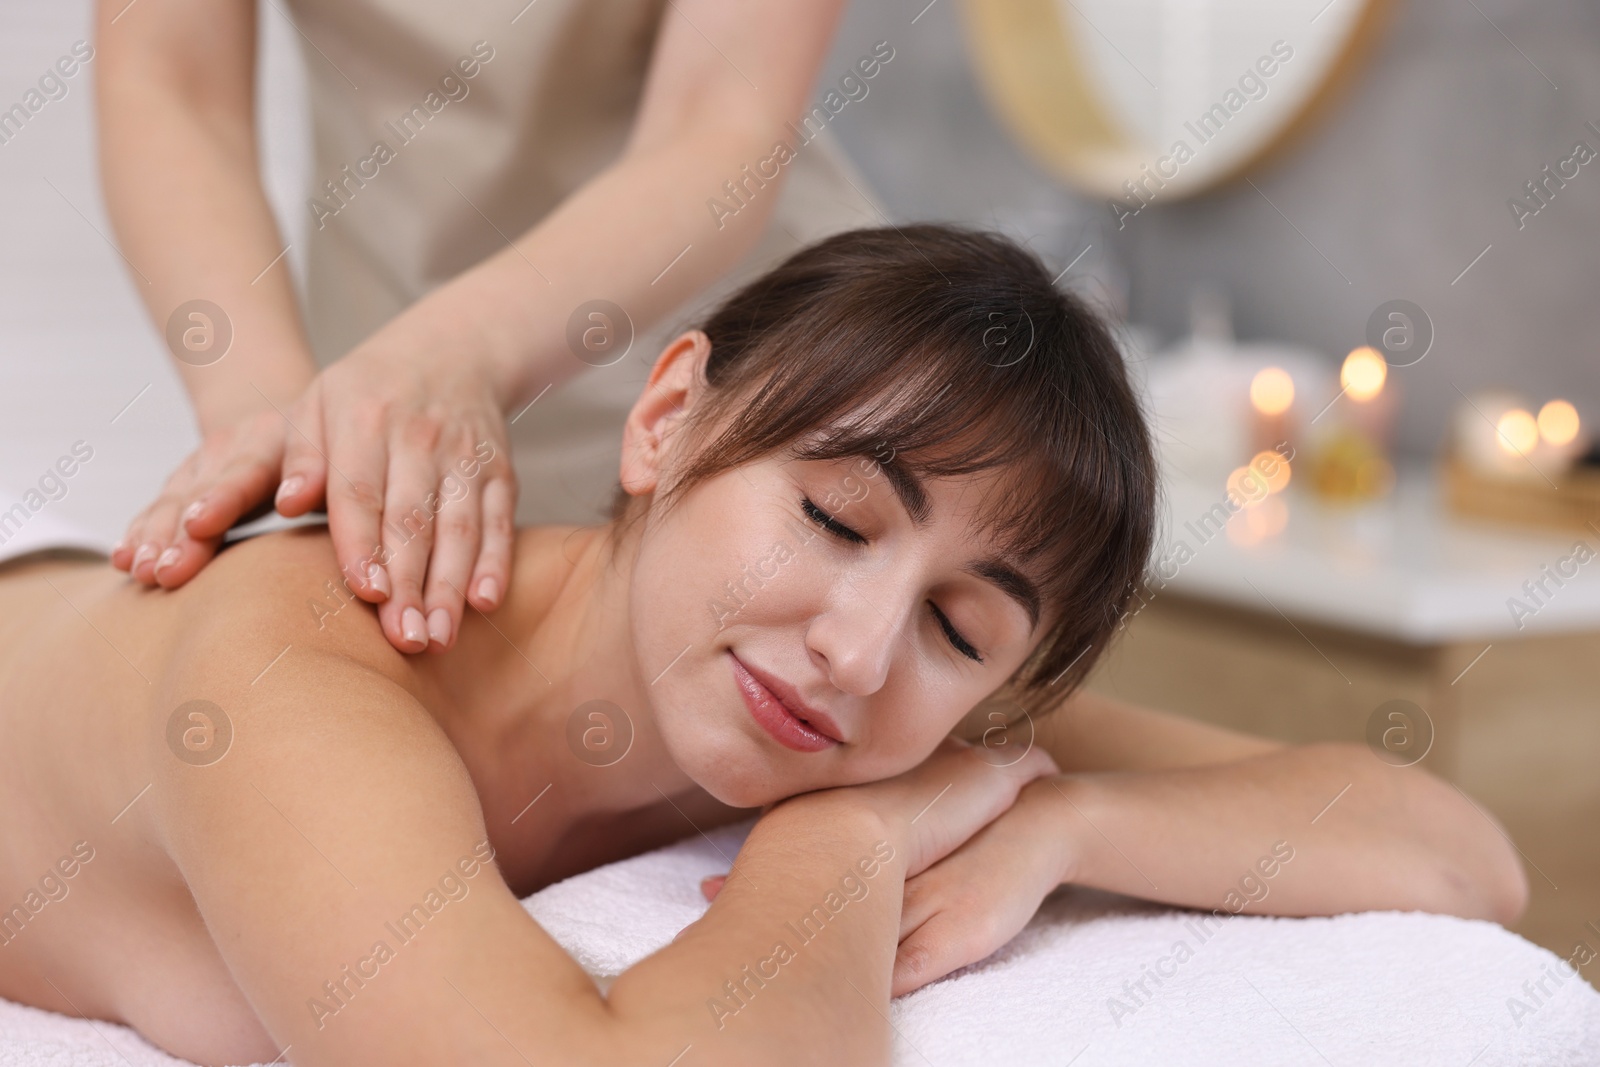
pixel 1496 434
pixel 1272 402
pixel 1362 379
pixel 1560 431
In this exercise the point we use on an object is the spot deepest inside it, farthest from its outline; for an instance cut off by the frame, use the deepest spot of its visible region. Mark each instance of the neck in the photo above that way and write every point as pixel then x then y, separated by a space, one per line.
pixel 532 693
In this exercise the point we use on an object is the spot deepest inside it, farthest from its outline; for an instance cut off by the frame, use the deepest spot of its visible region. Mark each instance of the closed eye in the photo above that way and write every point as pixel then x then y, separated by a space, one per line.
pixel 829 523
pixel 843 532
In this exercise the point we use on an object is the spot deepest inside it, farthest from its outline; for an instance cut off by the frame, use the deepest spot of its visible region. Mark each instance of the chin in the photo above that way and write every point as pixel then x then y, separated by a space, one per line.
pixel 721 759
pixel 733 773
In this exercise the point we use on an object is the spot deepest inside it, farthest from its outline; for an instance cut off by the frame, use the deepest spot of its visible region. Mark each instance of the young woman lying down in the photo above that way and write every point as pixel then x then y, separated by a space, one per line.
pixel 897 485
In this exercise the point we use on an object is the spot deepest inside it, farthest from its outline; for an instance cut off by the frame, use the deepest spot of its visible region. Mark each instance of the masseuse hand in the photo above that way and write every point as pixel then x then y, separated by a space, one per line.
pixel 407 441
pixel 227 479
pixel 979 858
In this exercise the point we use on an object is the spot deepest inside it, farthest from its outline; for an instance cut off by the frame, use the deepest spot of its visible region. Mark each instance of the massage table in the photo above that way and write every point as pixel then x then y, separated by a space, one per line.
pixel 1094 980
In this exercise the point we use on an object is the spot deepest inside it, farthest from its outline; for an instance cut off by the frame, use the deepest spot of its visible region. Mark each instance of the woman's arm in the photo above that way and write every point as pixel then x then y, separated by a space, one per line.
pixel 1162 807
pixel 1363 835
pixel 336 855
pixel 1194 807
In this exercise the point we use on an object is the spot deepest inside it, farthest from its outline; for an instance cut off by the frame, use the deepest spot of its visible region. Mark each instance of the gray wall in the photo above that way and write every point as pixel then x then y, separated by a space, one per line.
pixel 1400 186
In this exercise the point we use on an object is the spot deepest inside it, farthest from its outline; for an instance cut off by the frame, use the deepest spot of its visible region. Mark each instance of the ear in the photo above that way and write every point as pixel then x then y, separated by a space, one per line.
pixel 675 384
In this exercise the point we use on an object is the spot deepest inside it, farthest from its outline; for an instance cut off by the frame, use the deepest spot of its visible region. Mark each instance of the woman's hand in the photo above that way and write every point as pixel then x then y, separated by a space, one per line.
pixel 406 440
pixel 952 817
pixel 930 810
pixel 973 901
pixel 225 480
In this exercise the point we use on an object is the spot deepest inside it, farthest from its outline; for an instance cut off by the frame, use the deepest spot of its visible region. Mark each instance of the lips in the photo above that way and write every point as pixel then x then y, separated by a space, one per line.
pixel 774 716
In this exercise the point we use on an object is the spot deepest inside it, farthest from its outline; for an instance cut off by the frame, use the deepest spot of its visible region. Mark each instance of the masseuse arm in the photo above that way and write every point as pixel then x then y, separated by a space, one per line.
pixel 1166 808
pixel 398 411
pixel 175 99
pixel 725 77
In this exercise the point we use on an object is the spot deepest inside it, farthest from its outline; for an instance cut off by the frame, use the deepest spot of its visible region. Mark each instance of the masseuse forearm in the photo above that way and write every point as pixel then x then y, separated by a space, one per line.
pixel 1395 838
pixel 618 238
pixel 791 964
pixel 180 172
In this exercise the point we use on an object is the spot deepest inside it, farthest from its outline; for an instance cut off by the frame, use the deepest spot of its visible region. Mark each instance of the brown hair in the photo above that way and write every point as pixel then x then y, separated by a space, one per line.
pixel 952 349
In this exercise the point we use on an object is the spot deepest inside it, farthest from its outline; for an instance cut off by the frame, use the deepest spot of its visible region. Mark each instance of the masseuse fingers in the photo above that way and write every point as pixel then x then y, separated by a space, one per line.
pixel 123 552
pixel 183 559
pixel 152 529
pixel 305 462
pixel 455 544
pixel 234 481
pixel 138 550
pixel 358 458
pixel 240 488
pixel 491 576
pixel 410 516
pixel 156 535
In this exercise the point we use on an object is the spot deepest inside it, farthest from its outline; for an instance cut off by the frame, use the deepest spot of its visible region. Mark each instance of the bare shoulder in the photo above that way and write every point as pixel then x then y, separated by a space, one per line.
pixel 316 802
pixel 279 596
pixel 274 649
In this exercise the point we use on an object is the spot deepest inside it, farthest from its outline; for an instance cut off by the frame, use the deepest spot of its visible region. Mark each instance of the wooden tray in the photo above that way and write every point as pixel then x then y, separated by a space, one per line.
pixel 1572 505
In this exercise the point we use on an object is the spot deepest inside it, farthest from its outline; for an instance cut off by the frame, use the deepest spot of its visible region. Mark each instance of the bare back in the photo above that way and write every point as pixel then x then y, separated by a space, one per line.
pixel 96 918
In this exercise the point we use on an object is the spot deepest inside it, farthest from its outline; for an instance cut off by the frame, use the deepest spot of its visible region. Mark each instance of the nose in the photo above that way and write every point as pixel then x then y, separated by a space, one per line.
pixel 860 633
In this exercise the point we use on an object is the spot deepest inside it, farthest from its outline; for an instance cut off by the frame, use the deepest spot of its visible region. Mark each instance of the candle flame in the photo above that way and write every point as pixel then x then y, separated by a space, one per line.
pixel 1363 374
pixel 1272 391
pixel 1516 432
pixel 1558 422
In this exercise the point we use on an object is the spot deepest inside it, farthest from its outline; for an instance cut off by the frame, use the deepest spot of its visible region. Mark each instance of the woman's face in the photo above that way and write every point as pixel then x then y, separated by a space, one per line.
pixel 811 581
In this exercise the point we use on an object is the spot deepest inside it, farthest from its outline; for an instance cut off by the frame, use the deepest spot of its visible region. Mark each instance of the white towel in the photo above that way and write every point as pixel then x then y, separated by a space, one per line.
pixel 1362 989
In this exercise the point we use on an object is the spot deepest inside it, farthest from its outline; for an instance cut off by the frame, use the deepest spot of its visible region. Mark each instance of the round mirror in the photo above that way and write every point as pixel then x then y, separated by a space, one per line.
pixel 1145 100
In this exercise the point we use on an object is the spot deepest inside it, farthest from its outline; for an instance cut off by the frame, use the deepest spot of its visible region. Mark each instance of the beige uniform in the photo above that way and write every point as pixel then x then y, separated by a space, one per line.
pixel 551 103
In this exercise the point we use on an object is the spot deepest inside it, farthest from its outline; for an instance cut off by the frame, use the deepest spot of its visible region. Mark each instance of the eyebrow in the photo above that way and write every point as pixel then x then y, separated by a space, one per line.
pixel 913 497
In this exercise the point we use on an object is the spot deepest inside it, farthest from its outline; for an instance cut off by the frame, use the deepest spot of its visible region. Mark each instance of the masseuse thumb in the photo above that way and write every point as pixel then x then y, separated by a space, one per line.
pixel 711 885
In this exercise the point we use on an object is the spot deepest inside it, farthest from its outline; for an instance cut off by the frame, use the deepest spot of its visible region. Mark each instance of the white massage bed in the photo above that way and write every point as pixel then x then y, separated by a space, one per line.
pixel 1353 991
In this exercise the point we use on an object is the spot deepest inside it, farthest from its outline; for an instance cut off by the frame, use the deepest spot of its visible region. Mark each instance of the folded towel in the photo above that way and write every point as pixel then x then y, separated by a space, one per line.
pixel 1361 989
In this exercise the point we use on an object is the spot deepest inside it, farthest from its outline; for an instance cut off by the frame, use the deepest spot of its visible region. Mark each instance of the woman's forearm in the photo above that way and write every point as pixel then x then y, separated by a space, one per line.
pixel 182 185
pixel 793 961
pixel 1315 829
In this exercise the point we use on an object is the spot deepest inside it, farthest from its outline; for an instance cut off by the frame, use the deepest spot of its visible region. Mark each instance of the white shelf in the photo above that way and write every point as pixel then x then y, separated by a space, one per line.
pixel 1402 568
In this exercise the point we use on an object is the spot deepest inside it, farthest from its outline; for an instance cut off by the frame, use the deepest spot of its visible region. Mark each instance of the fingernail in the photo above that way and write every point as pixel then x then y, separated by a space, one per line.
pixel 378 579
pixel 489 591
pixel 413 626
pixel 193 511
pixel 119 547
pixel 168 558
pixel 439 625
pixel 290 487
pixel 147 551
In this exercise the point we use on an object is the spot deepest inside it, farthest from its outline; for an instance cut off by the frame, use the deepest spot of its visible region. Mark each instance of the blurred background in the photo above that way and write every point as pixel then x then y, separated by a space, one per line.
pixel 1359 299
